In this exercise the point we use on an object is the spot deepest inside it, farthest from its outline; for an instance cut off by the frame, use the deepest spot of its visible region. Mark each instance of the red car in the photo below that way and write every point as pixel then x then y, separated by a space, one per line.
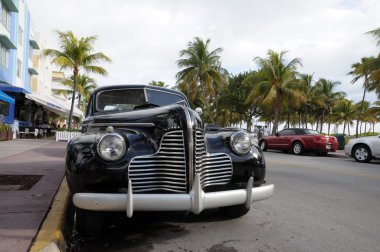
pixel 300 140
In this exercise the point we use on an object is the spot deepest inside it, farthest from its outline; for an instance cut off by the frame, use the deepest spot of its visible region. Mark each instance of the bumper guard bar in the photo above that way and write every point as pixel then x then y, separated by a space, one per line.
pixel 196 201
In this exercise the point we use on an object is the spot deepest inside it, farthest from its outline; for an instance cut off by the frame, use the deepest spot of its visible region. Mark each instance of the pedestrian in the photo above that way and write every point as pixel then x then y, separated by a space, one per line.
pixel 266 131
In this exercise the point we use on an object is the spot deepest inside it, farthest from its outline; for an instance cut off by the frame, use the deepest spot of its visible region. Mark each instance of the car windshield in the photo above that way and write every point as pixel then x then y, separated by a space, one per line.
pixel 130 99
pixel 311 132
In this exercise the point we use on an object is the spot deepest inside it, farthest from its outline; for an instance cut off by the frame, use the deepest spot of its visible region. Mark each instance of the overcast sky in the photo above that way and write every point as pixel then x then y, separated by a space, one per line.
pixel 144 37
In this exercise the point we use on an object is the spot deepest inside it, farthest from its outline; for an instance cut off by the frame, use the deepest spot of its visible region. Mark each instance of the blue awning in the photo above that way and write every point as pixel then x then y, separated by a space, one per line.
pixel 9 88
pixel 6 98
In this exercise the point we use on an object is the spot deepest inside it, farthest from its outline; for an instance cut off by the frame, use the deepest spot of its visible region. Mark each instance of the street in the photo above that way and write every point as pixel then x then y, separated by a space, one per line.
pixel 320 204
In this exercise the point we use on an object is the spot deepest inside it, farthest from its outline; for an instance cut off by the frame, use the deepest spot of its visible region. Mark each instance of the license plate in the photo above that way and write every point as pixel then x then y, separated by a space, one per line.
pixel 328 146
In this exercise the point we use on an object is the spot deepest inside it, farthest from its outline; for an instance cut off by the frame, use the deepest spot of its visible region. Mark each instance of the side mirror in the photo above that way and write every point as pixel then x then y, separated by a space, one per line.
pixel 277 135
pixel 199 110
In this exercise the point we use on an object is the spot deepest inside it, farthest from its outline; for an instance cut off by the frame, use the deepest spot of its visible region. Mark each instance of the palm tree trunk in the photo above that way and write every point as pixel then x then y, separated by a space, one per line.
pixel 306 116
pixel 75 72
pixel 373 129
pixel 328 131
pixel 362 104
pixel 79 100
pixel 348 128
pixel 288 119
pixel 344 128
pixel 322 119
pixel 276 112
pixel 361 126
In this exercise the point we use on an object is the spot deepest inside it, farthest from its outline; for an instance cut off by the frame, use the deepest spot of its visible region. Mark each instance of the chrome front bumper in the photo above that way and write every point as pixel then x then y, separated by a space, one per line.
pixel 196 201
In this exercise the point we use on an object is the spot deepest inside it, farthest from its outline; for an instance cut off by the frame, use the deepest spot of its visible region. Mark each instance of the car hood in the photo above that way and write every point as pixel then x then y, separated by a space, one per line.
pixel 365 138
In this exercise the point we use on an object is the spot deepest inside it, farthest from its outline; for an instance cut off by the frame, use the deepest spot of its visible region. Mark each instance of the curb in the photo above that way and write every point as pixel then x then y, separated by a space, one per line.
pixel 50 236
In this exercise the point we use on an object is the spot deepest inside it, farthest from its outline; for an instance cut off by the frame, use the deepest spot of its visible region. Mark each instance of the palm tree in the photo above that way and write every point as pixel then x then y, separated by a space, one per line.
pixel 201 74
pixel 362 70
pixel 376 34
pixel 345 112
pixel 76 54
pixel 374 64
pixel 158 84
pixel 308 88
pixel 326 98
pixel 85 85
pixel 279 81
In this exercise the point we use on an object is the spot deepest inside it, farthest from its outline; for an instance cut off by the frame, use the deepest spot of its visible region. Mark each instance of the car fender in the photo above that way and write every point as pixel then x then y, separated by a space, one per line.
pixel 252 162
pixel 298 139
pixel 366 142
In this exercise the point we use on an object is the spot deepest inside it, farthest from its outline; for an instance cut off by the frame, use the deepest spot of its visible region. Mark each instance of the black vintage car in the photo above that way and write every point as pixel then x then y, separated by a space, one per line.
pixel 144 149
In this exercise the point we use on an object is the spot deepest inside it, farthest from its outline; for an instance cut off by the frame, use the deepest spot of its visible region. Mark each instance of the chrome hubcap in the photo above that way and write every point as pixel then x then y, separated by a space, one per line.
pixel 297 149
pixel 361 153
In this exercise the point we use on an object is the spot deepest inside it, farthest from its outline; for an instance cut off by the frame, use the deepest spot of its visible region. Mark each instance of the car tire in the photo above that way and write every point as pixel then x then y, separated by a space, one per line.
pixel 263 145
pixel 297 148
pixel 234 211
pixel 362 153
pixel 88 223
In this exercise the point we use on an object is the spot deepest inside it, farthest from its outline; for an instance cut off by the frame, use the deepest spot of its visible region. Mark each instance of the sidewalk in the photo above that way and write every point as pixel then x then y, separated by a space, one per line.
pixel 30 173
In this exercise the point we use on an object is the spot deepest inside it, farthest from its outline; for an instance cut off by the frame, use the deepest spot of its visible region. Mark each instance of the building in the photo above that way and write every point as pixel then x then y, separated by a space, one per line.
pixel 26 97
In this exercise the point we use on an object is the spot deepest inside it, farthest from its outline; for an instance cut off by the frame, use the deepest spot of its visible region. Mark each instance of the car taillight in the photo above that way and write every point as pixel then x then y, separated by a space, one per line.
pixel 319 139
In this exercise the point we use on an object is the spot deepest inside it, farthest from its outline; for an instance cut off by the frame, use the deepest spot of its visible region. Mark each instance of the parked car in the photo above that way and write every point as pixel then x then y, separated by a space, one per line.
pixel 144 149
pixel 300 140
pixel 363 149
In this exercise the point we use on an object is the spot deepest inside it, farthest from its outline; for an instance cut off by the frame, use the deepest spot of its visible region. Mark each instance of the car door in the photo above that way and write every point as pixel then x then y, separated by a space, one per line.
pixel 288 139
pixel 285 139
pixel 279 141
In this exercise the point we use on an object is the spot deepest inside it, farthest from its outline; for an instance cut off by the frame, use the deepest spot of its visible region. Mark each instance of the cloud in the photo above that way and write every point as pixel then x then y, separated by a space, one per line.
pixel 144 37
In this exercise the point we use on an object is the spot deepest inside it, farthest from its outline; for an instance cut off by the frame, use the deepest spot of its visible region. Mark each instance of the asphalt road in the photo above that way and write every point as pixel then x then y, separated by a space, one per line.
pixel 320 204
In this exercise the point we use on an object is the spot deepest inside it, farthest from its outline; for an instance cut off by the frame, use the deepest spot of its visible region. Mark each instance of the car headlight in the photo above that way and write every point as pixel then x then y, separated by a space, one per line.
pixel 240 143
pixel 111 147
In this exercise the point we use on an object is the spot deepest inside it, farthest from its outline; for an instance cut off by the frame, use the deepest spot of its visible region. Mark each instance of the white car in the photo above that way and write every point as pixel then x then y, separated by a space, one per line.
pixel 363 149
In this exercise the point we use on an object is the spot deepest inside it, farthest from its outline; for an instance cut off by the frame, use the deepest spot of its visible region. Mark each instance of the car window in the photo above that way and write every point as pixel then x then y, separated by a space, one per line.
pixel 160 98
pixel 286 132
pixel 120 99
pixel 311 132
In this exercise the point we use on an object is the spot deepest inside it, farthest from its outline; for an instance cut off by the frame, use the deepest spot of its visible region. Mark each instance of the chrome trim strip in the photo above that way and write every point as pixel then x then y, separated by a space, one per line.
pixel 163 170
pixel 195 201
pixel 190 145
pixel 121 124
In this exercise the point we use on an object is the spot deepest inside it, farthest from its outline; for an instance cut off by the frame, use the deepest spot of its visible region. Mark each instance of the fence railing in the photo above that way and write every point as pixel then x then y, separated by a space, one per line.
pixel 66 135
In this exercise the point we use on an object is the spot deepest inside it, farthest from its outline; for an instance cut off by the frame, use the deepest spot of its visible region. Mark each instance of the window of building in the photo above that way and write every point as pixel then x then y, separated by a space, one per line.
pixel 4 56
pixel 19 66
pixel 20 34
pixel 4 16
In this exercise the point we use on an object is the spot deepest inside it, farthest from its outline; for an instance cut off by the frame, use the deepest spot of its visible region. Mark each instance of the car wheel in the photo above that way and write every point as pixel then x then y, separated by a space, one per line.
pixel 234 211
pixel 88 223
pixel 297 148
pixel 263 145
pixel 362 154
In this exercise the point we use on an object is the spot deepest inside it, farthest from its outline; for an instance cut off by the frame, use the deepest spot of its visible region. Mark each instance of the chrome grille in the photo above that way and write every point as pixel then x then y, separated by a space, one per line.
pixel 213 168
pixel 165 170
